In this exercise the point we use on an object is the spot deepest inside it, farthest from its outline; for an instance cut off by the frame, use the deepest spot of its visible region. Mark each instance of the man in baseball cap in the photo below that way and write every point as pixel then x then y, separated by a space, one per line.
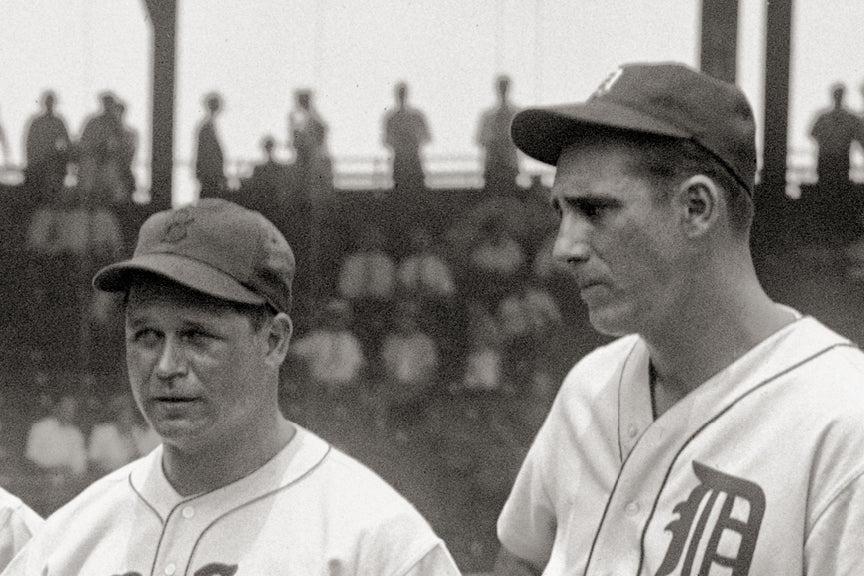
pixel 234 488
pixel 721 431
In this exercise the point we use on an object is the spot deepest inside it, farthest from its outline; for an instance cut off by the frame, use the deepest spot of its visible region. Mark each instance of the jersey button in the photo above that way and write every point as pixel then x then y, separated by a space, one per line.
pixel 632 430
pixel 188 512
pixel 632 508
pixel 170 569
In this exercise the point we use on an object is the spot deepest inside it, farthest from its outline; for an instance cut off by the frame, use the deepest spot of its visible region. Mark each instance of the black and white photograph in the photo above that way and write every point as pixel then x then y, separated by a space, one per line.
pixel 416 287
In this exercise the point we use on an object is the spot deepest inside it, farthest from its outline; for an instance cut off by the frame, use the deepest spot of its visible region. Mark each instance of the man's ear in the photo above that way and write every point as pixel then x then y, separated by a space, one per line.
pixel 699 200
pixel 279 336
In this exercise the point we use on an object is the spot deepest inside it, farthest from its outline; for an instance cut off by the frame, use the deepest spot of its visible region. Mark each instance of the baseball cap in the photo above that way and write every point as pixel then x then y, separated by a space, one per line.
pixel 668 99
pixel 213 246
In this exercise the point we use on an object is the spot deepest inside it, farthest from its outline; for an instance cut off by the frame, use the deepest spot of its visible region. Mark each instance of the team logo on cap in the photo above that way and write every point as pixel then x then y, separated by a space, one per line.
pixel 608 83
pixel 178 226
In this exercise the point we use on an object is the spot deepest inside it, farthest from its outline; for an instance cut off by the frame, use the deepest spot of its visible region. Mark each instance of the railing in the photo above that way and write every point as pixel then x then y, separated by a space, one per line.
pixel 442 172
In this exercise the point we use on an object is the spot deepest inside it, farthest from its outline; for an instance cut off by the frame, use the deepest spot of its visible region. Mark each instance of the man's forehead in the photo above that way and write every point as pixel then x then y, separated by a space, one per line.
pixel 592 162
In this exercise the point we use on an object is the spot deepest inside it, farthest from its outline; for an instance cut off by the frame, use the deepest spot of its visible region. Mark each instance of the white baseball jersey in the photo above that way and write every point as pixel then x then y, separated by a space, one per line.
pixel 311 510
pixel 759 471
pixel 18 523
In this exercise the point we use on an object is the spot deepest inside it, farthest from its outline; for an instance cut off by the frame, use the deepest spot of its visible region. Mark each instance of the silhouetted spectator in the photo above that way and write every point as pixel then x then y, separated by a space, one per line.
pixel 500 160
pixel 47 151
pixel 834 132
pixel 101 155
pixel 405 132
pixel 308 135
pixel 209 158
pixel 128 137
pixel 271 178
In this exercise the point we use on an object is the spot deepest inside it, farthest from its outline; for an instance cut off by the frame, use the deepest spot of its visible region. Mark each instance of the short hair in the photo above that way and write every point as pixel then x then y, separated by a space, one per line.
pixel 666 161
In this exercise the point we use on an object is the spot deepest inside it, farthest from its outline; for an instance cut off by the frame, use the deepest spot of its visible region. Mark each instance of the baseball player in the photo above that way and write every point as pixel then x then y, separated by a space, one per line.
pixel 234 488
pixel 722 433
pixel 18 523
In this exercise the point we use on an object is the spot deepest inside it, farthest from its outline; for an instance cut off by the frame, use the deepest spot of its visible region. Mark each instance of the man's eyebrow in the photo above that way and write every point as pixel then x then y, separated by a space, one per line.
pixel 587 201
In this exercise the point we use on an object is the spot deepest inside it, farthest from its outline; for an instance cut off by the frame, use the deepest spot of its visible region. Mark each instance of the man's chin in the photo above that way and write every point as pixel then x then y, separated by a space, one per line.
pixel 609 323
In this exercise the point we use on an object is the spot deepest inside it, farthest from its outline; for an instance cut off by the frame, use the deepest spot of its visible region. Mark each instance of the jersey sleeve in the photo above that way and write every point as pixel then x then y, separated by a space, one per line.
pixel 527 523
pixel 17 527
pixel 434 563
pixel 834 544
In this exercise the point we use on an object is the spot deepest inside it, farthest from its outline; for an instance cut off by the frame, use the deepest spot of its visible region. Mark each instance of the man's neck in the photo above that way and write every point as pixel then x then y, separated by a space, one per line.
pixel 705 343
pixel 196 471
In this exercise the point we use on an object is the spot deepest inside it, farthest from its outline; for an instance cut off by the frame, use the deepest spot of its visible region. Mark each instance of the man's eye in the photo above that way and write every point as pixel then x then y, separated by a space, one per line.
pixel 145 336
pixel 195 336
pixel 593 210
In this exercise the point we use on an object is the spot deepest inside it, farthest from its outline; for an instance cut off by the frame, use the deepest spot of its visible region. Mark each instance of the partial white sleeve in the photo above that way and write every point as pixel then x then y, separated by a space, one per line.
pixel 833 546
pixel 527 523
pixel 17 525
pixel 436 562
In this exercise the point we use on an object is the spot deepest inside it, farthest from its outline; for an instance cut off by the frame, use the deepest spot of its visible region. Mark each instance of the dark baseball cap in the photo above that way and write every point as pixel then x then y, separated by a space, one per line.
pixel 213 246
pixel 668 99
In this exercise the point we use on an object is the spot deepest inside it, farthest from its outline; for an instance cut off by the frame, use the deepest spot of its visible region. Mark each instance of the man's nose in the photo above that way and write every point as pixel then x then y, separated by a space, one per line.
pixel 172 359
pixel 572 242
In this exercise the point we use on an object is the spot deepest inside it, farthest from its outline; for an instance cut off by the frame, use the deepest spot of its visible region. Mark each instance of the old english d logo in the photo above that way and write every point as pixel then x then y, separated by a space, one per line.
pixel 177 226
pixel 607 84
pixel 722 511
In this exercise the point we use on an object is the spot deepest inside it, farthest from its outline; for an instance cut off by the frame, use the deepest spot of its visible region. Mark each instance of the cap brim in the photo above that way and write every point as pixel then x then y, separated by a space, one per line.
pixel 542 133
pixel 190 273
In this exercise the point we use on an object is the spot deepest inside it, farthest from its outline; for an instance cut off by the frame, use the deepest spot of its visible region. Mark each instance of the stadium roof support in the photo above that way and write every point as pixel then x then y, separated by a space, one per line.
pixel 163 19
pixel 719 39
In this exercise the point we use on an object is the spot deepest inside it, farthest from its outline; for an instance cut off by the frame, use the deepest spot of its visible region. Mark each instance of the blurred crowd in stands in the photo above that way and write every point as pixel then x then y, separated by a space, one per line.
pixel 66 441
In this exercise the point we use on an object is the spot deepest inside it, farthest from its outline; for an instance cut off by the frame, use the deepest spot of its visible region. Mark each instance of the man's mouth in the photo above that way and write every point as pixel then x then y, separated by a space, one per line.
pixel 175 399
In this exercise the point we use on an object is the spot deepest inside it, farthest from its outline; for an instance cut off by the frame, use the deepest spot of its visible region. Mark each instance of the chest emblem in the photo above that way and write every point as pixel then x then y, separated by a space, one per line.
pixel 717 526
pixel 217 569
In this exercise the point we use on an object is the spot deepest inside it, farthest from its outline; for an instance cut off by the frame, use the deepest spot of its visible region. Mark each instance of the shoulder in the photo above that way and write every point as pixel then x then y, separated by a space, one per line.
pixel 13 512
pixel 362 500
pixel 831 381
pixel 101 499
pixel 604 362
pixel 590 390
pixel 347 479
